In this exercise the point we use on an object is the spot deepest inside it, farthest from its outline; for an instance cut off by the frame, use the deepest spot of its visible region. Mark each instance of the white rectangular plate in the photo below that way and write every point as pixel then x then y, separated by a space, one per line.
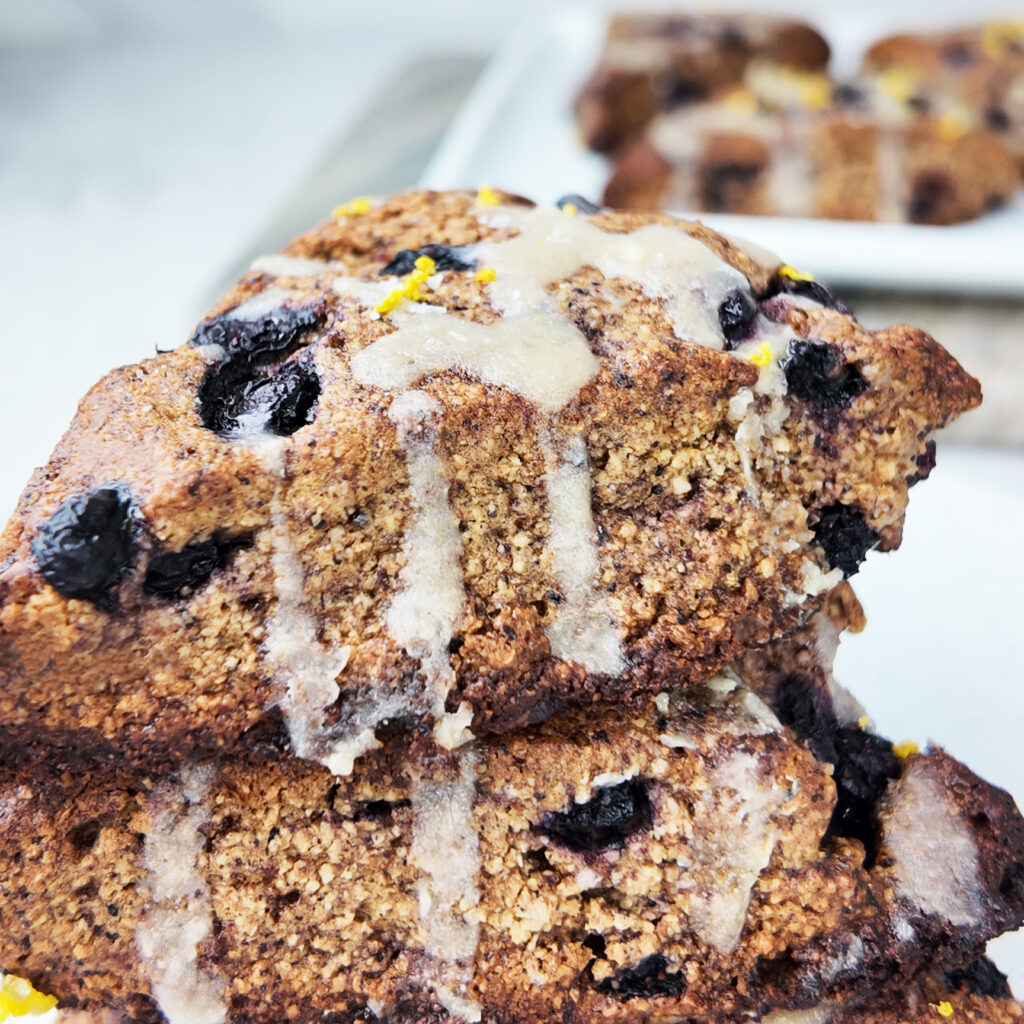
pixel 516 131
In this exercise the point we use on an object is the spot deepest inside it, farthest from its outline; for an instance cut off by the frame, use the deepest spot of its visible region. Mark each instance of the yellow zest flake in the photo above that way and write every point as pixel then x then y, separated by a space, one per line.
pixel 952 126
pixel 412 288
pixel 762 355
pixel 999 36
pixel 570 208
pixel 793 274
pixel 863 721
pixel 944 1009
pixel 487 196
pixel 905 749
pixel 741 101
pixel 485 275
pixel 897 83
pixel 18 998
pixel 815 90
pixel 353 208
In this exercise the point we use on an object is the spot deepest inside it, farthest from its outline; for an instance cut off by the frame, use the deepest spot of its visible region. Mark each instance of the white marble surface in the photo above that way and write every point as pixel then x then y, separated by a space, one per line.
pixel 143 145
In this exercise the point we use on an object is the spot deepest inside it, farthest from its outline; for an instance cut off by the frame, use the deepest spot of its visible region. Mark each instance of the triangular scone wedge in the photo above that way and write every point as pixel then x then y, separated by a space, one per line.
pixel 456 463
pixel 690 861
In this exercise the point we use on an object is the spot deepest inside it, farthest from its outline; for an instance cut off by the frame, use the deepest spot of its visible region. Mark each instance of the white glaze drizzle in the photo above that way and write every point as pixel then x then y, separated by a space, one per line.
pixel 422 615
pixel 935 856
pixel 180 915
pixel 583 628
pixel 278 265
pixel 445 847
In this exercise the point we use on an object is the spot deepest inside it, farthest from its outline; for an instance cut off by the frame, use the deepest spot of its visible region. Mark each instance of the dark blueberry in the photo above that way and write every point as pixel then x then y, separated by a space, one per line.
pixel 89 545
pixel 959 55
pixel 815 372
pixel 582 205
pixel 648 980
pixel 925 463
pixel 982 978
pixel 845 536
pixel 929 192
pixel 736 314
pixel 920 104
pixel 680 91
pixel 445 257
pixel 863 763
pixel 174 574
pixel 253 343
pixel 997 119
pixel 848 95
pixel 232 403
pixel 723 186
pixel 605 821
pixel 810 290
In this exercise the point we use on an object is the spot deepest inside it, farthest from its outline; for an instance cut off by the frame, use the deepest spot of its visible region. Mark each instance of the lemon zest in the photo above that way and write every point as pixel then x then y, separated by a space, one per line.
pixel 999 36
pixel 863 721
pixel 18 998
pixel 353 208
pixel 485 275
pixel 944 1009
pixel 411 288
pixel 905 749
pixel 793 274
pixel 570 208
pixel 897 83
pixel 762 355
pixel 741 101
pixel 952 126
pixel 487 196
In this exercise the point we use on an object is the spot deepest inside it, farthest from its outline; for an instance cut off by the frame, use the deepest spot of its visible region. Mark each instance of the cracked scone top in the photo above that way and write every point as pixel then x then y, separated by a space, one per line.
pixel 456 462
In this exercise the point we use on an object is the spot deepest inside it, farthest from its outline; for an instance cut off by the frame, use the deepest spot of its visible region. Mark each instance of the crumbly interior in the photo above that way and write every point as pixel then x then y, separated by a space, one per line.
pixel 721 500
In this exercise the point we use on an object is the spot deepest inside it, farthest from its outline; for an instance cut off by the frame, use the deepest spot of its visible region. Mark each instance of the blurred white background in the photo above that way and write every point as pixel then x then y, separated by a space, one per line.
pixel 144 145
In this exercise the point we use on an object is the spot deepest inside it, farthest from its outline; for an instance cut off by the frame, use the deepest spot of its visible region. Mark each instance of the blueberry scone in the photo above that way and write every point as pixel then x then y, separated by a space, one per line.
pixel 699 859
pixel 449 465
pixel 654 62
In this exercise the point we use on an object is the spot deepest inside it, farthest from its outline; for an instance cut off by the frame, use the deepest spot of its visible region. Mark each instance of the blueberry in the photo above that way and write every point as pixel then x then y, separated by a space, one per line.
pixel 648 980
pixel 997 119
pixel 89 545
pixel 925 463
pixel 958 55
pixel 929 192
pixel 173 574
pixel 863 763
pixel 252 343
pixel 736 314
pixel 584 206
pixel 233 403
pixel 445 257
pixel 680 91
pixel 605 821
pixel 723 186
pixel 847 95
pixel 810 290
pixel 815 372
pixel 981 978
pixel 845 536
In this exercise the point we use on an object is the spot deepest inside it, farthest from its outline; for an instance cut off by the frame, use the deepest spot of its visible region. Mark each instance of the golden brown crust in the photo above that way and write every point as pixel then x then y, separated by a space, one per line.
pixel 705 543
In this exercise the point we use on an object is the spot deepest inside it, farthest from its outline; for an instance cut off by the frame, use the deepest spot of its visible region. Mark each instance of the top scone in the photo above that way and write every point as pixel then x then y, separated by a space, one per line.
pixel 455 463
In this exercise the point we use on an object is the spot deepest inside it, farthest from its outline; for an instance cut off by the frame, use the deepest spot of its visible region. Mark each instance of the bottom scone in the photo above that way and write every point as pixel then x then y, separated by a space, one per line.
pixel 701 859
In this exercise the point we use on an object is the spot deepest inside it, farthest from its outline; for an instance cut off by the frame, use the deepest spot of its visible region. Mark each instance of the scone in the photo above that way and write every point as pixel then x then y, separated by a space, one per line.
pixel 689 861
pixel 980 68
pixel 449 465
pixel 654 62
pixel 864 156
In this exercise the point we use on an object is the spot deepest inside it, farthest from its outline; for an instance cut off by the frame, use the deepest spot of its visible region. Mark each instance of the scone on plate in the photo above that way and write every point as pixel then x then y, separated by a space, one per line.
pixel 449 465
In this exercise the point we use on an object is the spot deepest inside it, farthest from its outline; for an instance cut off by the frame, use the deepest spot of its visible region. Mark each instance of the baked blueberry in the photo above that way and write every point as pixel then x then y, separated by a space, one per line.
pixel 815 372
pixel 811 290
pixel 89 545
pixel 174 574
pixel 736 314
pixel 232 403
pixel 981 978
pixel 582 204
pixel 648 980
pixel 605 821
pixel 260 341
pixel 445 257
pixel 845 536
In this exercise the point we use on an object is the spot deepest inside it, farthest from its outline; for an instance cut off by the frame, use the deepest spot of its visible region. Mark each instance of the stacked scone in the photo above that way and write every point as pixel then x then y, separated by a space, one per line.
pixel 444 633
pixel 929 132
